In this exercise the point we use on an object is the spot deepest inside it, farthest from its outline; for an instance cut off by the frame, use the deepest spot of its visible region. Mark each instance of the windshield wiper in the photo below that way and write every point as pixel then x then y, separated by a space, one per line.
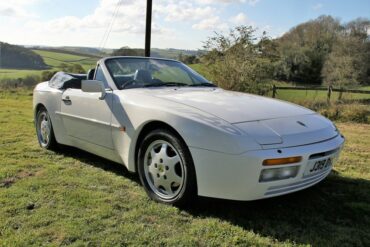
pixel 203 84
pixel 167 84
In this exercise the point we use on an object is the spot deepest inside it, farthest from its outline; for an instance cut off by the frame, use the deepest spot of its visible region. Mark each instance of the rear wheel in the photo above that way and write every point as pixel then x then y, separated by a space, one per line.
pixel 44 130
pixel 166 168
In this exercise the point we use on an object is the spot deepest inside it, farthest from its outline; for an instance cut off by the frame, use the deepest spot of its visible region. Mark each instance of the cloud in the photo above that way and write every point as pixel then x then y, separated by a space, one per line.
pixel 250 2
pixel 239 19
pixel 129 24
pixel 211 24
pixel 129 17
pixel 183 11
pixel 17 8
pixel 317 6
pixel 8 11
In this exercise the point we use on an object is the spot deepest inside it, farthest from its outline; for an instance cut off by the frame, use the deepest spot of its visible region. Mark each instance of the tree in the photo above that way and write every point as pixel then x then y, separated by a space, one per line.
pixel 237 62
pixel 304 48
pixel 125 51
pixel 347 64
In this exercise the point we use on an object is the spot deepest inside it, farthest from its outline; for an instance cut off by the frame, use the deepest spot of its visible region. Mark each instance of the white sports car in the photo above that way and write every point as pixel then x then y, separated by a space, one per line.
pixel 182 134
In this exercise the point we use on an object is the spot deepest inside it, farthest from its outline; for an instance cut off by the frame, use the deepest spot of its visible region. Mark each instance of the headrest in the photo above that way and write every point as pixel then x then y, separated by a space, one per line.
pixel 90 74
pixel 143 75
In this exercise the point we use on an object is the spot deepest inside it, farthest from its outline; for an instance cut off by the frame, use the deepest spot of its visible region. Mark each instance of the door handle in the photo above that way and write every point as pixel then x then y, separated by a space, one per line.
pixel 67 100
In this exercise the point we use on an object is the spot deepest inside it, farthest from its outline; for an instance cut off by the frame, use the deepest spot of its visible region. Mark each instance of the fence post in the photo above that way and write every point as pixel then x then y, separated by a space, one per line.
pixel 273 91
pixel 330 89
pixel 340 94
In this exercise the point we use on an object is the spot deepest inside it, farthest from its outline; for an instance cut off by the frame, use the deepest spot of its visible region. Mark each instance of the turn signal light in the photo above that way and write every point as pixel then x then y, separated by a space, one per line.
pixel 282 161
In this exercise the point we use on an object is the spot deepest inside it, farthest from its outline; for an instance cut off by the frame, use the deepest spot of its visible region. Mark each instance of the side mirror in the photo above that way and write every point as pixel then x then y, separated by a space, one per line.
pixel 93 86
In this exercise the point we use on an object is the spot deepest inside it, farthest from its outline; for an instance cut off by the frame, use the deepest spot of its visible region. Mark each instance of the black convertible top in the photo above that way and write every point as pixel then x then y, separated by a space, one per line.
pixel 63 80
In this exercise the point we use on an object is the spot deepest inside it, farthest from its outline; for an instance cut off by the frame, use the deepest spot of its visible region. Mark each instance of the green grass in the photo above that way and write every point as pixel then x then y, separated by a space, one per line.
pixel 298 95
pixel 74 198
pixel 17 73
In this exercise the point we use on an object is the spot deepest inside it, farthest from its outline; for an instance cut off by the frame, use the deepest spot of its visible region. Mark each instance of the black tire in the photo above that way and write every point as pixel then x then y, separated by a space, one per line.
pixel 188 190
pixel 51 143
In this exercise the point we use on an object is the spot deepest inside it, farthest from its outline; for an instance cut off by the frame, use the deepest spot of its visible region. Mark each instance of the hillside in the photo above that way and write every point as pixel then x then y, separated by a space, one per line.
pixel 170 53
pixel 91 51
pixel 55 58
pixel 155 52
pixel 18 57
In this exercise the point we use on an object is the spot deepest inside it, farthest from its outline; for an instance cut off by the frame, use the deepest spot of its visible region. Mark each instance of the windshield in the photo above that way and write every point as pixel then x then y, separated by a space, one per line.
pixel 148 72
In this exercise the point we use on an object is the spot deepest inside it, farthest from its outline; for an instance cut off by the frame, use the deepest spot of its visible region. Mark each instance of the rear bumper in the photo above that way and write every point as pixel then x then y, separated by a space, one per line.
pixel 236 177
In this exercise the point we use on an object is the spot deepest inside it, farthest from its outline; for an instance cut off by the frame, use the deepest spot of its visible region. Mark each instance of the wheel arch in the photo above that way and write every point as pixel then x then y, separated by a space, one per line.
pixel 150 126
pixel 38 107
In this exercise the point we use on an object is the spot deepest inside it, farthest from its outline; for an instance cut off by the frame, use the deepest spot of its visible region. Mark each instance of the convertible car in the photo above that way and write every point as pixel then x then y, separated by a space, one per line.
pixel 183 135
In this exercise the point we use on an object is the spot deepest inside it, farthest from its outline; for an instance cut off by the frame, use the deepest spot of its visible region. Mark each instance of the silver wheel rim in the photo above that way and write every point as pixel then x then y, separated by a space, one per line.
pixel 164 169
pixel 43 128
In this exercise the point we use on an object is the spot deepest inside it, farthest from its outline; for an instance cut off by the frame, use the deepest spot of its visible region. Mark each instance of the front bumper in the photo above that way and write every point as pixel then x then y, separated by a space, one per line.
pixel 236 177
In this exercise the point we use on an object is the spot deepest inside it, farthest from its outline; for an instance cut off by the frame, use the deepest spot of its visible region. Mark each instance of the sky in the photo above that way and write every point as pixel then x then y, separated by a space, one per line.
pixel 183 24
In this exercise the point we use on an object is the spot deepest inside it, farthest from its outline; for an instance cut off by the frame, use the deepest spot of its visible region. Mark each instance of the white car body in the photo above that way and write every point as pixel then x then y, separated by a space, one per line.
pixel 229 134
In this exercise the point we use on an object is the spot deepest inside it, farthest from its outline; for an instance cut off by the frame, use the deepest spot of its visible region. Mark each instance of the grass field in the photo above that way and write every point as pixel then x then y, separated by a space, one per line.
pixel 297 95
pixel 54 59
pixel 18 73
pixel 74 198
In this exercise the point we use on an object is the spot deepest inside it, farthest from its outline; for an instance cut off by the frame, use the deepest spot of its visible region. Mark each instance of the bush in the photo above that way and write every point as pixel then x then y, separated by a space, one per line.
pixel 10 83
pixel 345 112
pixel 72 68
pixel 47 75
pixel 31 81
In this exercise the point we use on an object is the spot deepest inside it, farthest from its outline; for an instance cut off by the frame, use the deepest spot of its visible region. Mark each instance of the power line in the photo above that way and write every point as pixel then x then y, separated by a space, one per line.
pixel 107 32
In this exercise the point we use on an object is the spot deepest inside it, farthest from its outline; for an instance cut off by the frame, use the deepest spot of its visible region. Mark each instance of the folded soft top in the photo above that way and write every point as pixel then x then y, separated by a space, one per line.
pixel 63 80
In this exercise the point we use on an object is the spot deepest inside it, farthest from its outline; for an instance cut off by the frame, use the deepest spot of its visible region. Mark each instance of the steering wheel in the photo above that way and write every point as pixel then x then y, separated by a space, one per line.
pixel 129 82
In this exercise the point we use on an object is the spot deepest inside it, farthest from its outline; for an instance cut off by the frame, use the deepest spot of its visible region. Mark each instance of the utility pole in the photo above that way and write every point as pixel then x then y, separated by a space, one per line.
pixel 148 29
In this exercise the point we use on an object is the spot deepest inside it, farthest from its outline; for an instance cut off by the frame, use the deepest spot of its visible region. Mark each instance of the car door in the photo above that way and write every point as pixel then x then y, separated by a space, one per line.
pixel 86 117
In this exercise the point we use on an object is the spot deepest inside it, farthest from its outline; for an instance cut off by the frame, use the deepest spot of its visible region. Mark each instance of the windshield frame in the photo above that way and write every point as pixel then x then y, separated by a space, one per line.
pixel 189 71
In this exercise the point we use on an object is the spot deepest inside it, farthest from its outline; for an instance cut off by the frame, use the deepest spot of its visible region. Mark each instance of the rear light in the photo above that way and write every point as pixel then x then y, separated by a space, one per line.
pixel 282 161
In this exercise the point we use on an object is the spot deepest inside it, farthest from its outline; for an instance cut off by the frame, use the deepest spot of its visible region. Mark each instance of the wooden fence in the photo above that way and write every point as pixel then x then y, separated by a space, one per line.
pixel 328 89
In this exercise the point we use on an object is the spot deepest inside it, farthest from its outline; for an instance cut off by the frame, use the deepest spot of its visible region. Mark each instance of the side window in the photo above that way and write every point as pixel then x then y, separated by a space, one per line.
pixel 99 75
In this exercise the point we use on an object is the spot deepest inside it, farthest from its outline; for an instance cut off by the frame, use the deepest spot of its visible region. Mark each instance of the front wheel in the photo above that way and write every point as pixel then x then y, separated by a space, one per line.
pixel 166 168
pixel 44 130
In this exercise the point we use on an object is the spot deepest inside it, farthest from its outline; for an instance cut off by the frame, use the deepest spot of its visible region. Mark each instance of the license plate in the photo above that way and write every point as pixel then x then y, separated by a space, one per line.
pixel 319 165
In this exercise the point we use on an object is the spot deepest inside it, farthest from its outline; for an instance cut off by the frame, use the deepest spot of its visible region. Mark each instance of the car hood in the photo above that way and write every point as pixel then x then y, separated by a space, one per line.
pixel 290 131
pixel 271 123
pixel 233 107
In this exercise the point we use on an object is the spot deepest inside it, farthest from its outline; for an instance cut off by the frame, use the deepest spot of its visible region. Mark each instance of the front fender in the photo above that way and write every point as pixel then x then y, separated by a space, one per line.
pixel 198 129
